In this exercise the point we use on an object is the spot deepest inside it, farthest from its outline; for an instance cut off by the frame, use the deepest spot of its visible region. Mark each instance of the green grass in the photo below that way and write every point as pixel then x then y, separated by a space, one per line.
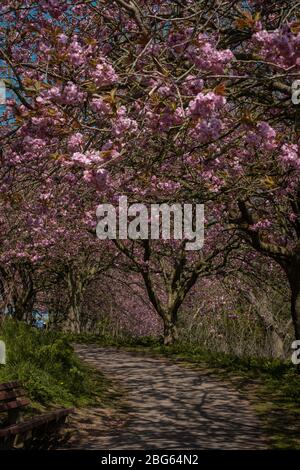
pixel 48 368
pixel 273 386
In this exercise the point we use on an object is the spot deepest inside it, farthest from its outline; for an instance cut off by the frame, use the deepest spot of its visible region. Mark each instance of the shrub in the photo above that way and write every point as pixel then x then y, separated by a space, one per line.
pixel 46 365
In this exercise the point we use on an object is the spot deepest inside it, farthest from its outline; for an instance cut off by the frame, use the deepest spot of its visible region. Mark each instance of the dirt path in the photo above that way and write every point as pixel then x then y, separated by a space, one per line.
pixel 168 407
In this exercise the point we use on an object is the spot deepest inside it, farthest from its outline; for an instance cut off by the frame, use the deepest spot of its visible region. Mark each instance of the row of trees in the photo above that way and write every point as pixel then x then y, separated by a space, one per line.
pixel 161 102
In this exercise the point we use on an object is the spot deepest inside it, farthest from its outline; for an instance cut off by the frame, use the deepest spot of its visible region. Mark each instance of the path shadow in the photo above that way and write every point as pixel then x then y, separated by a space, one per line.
pixel 168 407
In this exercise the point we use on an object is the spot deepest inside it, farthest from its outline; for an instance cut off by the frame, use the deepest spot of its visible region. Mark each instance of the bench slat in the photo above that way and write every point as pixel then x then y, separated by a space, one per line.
pixel 15 393
pixel 12 398
pixel 10 385
pixel 11 405
pixel 35 422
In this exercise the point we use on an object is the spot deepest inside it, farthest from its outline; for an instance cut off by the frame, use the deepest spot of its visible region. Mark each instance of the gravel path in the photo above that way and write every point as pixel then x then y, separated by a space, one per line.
pixel 168 406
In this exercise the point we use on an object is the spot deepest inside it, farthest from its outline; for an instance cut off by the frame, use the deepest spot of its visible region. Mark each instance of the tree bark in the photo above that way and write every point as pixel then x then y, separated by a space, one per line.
pixel 293 272
pixel 282 255
pixel 77 280
pixel 170 329
pixel 73 319
pixel 75 293
pixel 7 285
pixel 265 314
pixel 23 295
pixel 277 345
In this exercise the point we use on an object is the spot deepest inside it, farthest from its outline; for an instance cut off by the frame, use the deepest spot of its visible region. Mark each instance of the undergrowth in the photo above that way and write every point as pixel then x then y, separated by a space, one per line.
pixel 48 368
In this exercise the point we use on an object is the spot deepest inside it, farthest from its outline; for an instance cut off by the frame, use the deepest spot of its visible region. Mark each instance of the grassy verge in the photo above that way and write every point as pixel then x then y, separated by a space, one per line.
pixel 48 368
pixel 273 386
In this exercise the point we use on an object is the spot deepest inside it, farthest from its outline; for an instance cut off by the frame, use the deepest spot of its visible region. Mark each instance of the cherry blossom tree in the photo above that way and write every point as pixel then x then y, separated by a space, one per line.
pixel 161 101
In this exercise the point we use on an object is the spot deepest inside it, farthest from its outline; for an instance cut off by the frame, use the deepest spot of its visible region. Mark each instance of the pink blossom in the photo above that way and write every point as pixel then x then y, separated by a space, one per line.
pixel 54 93
pixel 170 118
pixel 207 58
pixel 263 137
pixel 62 38
pixel 262 224
pixel 104 74
pixel 290 155
pixel 123 124
pixel 98 178
pixel 205 105
pixel 76 53
pixel 292 217
pixel 164 91
pixel 98 105
pixel 192 85
pixel 280 46
pixel 88 158
pixel 207 130
pixel 75 141
pixel 33 144
pixel 72 94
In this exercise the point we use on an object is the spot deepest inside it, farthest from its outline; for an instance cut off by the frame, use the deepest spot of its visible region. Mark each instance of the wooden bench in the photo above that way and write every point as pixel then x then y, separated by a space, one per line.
pixel 39 432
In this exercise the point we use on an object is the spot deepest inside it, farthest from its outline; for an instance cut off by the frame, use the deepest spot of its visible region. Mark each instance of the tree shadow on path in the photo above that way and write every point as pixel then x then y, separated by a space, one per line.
pixel 167 407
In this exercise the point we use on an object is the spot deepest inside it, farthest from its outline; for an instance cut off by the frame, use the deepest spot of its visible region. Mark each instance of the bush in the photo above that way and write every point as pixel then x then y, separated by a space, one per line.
pixel 47 366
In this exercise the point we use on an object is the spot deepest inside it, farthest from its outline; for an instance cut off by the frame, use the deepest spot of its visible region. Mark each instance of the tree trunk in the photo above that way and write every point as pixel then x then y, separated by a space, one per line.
pixel 23 307
pixel 265 314
pixel 73 318
pixel 75 294
pixel 170 330
pixel 53 322
pixel 295 308
pixel 7 284
pixel 277 345
pixel 293 272
pixel 23 295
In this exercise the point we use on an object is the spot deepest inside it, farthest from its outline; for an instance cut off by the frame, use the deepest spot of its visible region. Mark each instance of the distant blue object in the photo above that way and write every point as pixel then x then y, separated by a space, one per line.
pixel 40 318
pixel 40 324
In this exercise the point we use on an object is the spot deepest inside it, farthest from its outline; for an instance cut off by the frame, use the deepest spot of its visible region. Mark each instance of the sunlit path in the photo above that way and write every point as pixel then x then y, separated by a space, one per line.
pixel 169 407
